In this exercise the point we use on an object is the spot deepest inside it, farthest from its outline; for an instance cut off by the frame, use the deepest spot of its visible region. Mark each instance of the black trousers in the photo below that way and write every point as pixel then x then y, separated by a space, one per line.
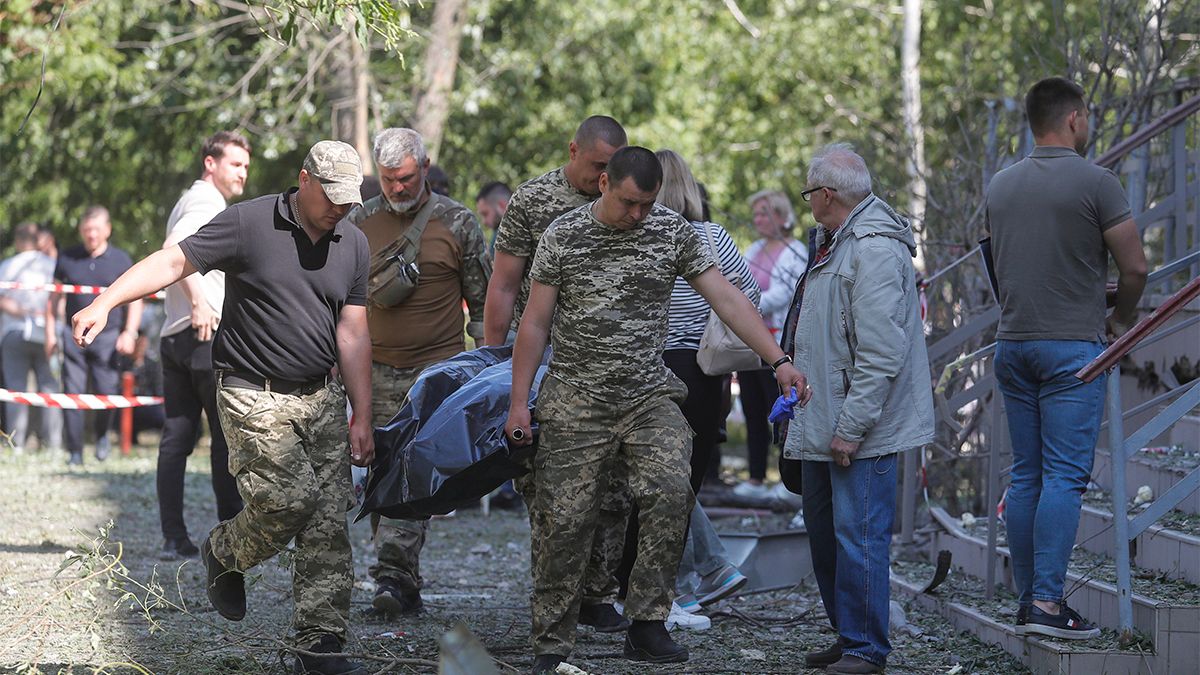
pixel 189 388
pixel 759 391
pixel 702 409
pixel 95 370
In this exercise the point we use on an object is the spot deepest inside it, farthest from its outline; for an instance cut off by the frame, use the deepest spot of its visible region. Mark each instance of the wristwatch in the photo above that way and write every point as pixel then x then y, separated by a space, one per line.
pixel 782 360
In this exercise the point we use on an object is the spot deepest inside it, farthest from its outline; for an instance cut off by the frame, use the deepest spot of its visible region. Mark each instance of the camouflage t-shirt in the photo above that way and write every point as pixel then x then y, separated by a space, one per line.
pixel 530 211
pixel 614 288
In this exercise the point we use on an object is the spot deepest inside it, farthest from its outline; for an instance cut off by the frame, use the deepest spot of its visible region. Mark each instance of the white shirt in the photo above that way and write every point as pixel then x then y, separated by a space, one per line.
pixel 194 209
pixel 28 267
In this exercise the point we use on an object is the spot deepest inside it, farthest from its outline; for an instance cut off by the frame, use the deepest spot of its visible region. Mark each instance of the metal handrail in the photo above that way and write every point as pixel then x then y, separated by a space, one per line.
pixel 1125 344
pixel 1143 135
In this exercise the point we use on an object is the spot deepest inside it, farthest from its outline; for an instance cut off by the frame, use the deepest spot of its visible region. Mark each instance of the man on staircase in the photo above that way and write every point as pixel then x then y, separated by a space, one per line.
pixel 1055 218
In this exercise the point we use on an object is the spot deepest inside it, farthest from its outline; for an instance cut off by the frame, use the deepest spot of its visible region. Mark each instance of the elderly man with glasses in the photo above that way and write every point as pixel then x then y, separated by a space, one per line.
pixel 855 328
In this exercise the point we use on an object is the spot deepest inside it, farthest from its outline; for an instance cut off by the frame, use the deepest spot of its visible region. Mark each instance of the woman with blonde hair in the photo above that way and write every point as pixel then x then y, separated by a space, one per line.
pixel 705 575
pixel 777 261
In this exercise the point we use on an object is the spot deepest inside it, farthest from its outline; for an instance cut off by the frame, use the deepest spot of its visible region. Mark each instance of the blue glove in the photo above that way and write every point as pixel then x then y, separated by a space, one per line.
pixel 784 408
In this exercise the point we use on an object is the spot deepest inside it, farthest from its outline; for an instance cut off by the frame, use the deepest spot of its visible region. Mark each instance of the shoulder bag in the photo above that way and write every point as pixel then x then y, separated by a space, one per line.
pixel 721 350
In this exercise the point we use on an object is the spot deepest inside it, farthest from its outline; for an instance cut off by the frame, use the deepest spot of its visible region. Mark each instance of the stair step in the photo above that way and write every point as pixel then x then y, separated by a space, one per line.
pixel 1161 549
pixel 958 600
pixel 1159 472
pixel 1172 623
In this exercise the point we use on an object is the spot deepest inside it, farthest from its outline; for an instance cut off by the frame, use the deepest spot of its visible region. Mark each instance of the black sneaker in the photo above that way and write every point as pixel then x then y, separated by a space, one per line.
pixel 547 664
pixel 177 549
pixel 226 587
pixel 326 665
pixel 1022 618
pixel 603 617
pixel 1066 625
pixel 824 657
pixel 649 641
pixel 75 459
pixel 391 601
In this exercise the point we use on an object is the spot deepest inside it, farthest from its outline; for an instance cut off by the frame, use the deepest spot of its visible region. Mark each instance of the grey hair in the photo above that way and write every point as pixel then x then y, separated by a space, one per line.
pixel 837 166
pixel 394 145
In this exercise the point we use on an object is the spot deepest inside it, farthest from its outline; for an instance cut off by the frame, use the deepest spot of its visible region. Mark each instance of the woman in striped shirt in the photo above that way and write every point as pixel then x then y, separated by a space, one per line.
pixel 704 556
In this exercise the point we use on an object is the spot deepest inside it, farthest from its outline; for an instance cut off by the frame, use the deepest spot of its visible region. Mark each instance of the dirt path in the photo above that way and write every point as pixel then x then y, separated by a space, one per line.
pixel 117 608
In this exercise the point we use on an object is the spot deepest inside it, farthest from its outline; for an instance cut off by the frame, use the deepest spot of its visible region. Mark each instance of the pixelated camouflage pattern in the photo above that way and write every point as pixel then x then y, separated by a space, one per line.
pixel 290 457
pixel 337 166
pixel 614 289
pixel 532 208
pixel 600 584
pixel 582 439
pixel 476 263
pixel 399 542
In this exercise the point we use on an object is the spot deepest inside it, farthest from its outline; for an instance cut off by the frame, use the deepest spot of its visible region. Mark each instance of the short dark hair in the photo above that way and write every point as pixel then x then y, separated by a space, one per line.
pixel 638 163
pixel 439 180
pixel 214 146
pixel 1049 101
pixel 494 191
pixel 600 128
pixel 26 233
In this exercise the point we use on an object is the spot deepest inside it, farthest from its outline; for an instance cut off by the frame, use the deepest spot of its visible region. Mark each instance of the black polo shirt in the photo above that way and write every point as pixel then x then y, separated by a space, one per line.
pixel 283 293
pixel 75 266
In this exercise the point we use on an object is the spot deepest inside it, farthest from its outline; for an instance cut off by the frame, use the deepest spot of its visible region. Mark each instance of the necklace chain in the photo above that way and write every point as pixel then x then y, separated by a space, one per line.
pixel 295 203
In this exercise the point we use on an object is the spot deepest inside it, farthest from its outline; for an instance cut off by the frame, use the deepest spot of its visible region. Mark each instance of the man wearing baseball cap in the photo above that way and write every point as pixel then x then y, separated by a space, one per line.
pixel 295 306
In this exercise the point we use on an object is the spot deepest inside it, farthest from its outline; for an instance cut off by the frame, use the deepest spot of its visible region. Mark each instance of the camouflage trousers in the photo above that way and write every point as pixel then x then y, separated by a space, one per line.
pixel 399 542
pixel 290 458
pixel 648 443
pixel 600 585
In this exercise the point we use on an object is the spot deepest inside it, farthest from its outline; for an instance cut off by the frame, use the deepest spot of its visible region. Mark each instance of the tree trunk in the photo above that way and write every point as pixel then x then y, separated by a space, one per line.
pixel 441 61
pixel 910 63
pixel 362 136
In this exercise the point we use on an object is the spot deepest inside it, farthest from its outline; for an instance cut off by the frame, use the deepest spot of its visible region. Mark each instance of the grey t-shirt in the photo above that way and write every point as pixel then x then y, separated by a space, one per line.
pixel 1047 215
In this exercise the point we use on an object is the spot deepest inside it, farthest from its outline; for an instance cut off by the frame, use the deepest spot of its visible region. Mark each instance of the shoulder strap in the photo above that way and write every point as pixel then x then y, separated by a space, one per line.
pixel 411 241
pixel 712 246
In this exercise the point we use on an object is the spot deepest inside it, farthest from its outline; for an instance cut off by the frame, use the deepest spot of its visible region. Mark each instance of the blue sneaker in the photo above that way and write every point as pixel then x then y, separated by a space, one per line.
pixel 688 603
pixel 719 585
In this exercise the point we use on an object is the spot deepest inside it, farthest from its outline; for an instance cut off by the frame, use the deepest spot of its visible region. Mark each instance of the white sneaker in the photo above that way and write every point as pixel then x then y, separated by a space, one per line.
pixel 687 620
pixel 749 490
pixel 782 494
pixel 797 521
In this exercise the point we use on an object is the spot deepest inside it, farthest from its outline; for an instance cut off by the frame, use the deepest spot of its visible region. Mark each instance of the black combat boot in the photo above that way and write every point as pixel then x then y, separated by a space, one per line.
pixel 649 641
pixel 326 665
pixel 392 601
pixel 547 664
pixel 226 587
pixel 603 617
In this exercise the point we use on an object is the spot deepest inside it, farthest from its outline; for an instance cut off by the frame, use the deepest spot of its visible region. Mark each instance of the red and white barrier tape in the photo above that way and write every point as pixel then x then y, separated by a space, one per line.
pixel 77 401
pixel 63 288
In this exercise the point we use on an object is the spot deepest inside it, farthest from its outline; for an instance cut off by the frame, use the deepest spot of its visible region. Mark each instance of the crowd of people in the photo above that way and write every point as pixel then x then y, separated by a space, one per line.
pixel 611 261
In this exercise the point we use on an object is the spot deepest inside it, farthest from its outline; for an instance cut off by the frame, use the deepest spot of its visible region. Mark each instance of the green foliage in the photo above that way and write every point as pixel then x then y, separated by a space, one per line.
pixel 133 86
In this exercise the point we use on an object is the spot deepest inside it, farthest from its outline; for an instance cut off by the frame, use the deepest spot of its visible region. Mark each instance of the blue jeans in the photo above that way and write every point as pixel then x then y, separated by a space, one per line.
pixel 849 512
pixel 703 552
pixel 1053 420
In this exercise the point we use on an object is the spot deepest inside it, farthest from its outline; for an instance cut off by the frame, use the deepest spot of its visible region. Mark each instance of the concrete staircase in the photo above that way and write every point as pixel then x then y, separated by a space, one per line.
pixel 1171 625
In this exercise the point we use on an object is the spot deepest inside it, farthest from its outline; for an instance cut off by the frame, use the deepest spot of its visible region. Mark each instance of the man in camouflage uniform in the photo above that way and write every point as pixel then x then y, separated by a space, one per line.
pixel 454 265
pixel 289 261
pixel 531 209
pixel 603 276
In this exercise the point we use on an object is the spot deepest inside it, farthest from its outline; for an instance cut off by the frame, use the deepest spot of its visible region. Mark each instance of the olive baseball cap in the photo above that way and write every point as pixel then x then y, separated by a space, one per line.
pixel 338 169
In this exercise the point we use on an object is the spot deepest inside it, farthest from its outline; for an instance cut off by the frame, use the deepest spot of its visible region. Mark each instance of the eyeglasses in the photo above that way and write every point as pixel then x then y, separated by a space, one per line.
pixel 807 194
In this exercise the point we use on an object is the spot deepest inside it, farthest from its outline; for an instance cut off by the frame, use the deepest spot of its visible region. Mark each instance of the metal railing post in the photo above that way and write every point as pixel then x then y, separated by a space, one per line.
pixel 997 442
pixel 908 495
pixel 1116 450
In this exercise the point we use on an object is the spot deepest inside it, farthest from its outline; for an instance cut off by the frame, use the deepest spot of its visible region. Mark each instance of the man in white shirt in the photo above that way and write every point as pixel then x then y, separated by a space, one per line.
pixel 193 311
pixel 23 335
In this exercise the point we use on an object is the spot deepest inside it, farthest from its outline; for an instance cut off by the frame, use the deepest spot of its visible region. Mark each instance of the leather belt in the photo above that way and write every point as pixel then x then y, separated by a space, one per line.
pixel 236 380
